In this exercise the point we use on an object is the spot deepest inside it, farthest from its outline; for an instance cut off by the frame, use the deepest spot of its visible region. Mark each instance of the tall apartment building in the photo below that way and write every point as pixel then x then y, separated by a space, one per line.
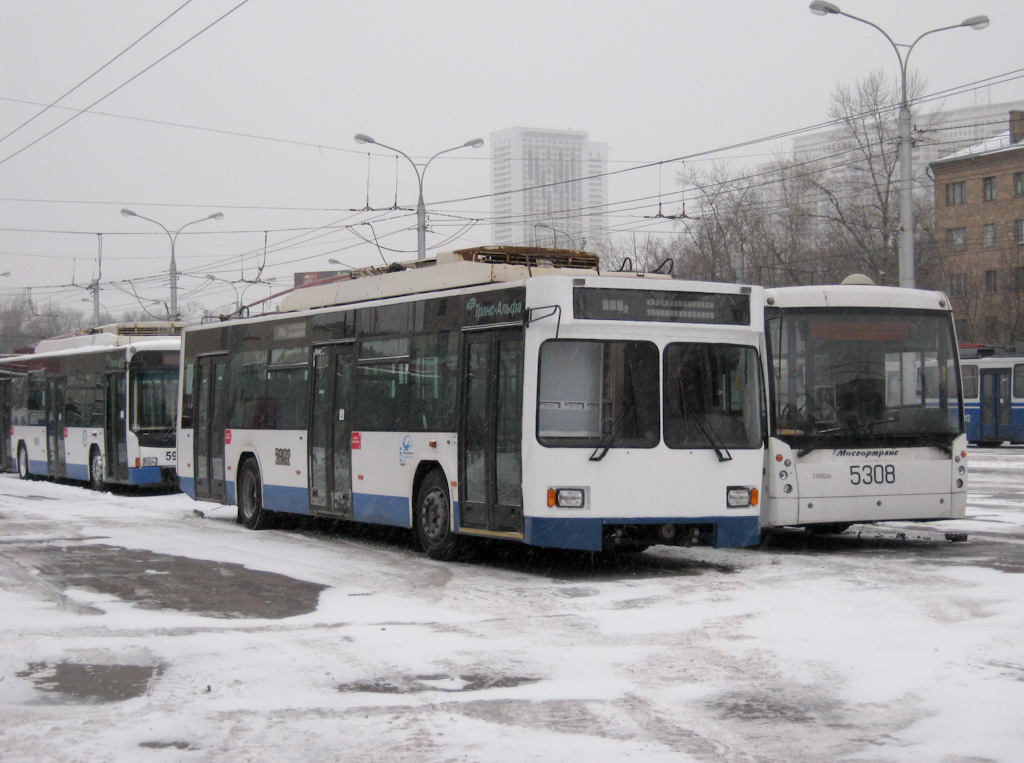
pixel 548 187
pixel 979 222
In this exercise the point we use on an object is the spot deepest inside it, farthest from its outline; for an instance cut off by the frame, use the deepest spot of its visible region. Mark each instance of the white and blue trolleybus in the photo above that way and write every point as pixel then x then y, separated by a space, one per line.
pixel 97 407
pixel 503 392
pixel 866 409
pixel 993 379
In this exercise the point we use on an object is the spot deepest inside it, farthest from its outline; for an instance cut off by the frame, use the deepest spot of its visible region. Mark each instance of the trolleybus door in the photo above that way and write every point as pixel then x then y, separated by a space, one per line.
pixel 330 432
pixel 995 404
pixel 491 432
pixel 209 432
pixel 115 426
pixel 5 425
pixel 55 428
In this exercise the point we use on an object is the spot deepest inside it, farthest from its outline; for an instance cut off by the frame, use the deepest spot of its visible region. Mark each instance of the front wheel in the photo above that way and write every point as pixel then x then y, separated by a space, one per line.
pixel 250 498
pixel 23 470
pixel 434 518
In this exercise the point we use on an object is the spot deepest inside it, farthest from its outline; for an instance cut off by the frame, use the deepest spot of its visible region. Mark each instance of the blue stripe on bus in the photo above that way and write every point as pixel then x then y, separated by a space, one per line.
pixel 39 468
pixel 144 475
pixel 381 509
pixel 187 485
pixel 77 472
pixel 587 534
pixel 294 500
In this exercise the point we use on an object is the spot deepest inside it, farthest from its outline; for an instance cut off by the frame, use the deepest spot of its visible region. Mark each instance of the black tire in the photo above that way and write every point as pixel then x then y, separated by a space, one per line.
pixel 96 470
pixel 433 518
pixel 250 498
pixel 23 470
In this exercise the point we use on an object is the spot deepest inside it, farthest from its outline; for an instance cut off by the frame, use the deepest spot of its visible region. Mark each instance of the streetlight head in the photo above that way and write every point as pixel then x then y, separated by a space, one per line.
pixel 475 143
pixel 216 216
pixel 822 8
pixel 360 138
pixel 129 213
pixel 976 22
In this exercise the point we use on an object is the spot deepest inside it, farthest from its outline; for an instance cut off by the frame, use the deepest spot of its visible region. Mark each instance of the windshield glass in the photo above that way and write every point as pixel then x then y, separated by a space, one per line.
pixel 154 394
pixel 864 374
pixel 713 396
pixel 598 394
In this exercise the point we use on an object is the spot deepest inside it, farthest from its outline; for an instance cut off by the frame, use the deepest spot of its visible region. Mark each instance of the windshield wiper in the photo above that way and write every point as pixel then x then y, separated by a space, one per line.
pixel 705 427
pixel 830 434
pixel 606 442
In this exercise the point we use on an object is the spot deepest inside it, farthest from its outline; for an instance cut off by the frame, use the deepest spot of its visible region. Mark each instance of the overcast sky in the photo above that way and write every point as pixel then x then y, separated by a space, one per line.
pixel 255 118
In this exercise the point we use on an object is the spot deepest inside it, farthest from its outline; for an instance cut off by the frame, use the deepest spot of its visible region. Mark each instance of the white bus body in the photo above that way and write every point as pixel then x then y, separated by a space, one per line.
pixel 95 408
pixel 866 419
pixel 547 405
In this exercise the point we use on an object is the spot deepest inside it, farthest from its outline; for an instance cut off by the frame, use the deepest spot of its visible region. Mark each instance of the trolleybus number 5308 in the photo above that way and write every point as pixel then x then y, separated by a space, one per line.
pixel 873 474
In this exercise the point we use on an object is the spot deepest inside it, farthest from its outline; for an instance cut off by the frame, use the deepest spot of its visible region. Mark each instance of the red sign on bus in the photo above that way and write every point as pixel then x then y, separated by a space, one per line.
pixel 227 436
pixel 356 441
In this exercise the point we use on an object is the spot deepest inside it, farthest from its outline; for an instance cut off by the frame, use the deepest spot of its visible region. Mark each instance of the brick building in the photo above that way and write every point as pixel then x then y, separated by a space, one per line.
pixel 979 223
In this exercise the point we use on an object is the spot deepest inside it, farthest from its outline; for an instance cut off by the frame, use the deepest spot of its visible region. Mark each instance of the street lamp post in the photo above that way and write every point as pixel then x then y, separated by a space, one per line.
pixel 421 171
pixel 906 243
pixel 173 237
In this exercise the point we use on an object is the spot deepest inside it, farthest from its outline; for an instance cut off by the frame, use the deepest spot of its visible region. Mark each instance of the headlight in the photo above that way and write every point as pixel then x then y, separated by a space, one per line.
pixel 566 497
pixel 740 497
pixel 149 461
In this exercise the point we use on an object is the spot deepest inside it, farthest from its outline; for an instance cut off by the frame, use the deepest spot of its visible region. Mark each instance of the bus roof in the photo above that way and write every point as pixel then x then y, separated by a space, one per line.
pixel 451 270
pixel 856 295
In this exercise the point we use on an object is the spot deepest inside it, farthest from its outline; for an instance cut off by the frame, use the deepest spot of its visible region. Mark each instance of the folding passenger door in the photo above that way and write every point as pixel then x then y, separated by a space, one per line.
pixel 210 418
pixel 995 404
pixel 115 426
pixel 55 428
pixel 491 432
pixel 330 432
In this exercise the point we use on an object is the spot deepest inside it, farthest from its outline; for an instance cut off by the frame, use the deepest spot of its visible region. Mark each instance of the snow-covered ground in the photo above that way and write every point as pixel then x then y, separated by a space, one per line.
pixel 135 630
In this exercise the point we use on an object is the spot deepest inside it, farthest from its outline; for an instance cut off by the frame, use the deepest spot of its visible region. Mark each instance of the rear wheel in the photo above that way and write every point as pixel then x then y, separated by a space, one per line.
pixel 23 470
pixel 434 518
pixel 250 498
pixel 96 470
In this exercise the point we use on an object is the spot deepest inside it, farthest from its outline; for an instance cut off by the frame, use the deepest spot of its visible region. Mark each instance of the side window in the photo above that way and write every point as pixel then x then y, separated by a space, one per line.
pixel 970 381
pixel 383 385
pixel 1018 380
pixel 187 396
pixel 251 408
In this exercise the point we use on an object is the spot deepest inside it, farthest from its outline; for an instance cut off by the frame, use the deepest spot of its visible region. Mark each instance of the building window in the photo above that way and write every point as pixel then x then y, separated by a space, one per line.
pixel 1018 184
pixel 988 188
pixel 1018 278
pixel 990 234
pixel 956 193
pixel 1018 231
pixel 958 285
pixel 956 238
pixel 991 281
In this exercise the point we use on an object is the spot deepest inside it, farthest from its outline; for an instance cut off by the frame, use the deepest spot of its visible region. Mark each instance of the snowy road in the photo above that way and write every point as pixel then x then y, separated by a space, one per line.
pixel 134 630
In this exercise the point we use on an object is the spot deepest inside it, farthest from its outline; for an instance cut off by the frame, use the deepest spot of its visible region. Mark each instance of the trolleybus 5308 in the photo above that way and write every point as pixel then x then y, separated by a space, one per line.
pixel 866 410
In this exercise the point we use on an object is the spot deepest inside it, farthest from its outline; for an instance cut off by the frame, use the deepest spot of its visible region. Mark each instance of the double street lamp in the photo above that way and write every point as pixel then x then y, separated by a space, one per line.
pixel 173 237
pixel 906 243
pixel 421 171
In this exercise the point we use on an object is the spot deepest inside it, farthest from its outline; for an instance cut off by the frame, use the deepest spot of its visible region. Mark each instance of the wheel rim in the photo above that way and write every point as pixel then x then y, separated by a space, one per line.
pixel 434 515
pixel 248 496
pixel 22 463
pixel 97 468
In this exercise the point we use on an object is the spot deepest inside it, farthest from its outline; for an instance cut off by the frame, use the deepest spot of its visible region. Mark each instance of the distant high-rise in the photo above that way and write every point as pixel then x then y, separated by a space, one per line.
pixel 549 187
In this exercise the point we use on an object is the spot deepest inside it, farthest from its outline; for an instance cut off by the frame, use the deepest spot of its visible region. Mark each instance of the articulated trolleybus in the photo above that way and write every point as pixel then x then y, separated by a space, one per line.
pixel 866 419
pixel 98 407
pixel 504 392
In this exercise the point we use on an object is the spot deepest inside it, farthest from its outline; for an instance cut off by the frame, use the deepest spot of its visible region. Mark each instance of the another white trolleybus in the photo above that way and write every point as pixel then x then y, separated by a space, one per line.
pixel 97 407
pixel 866 409
pixel 504 392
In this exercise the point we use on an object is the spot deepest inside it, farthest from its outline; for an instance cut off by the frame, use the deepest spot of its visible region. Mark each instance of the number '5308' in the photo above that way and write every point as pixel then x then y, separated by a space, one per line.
pixel 873 474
